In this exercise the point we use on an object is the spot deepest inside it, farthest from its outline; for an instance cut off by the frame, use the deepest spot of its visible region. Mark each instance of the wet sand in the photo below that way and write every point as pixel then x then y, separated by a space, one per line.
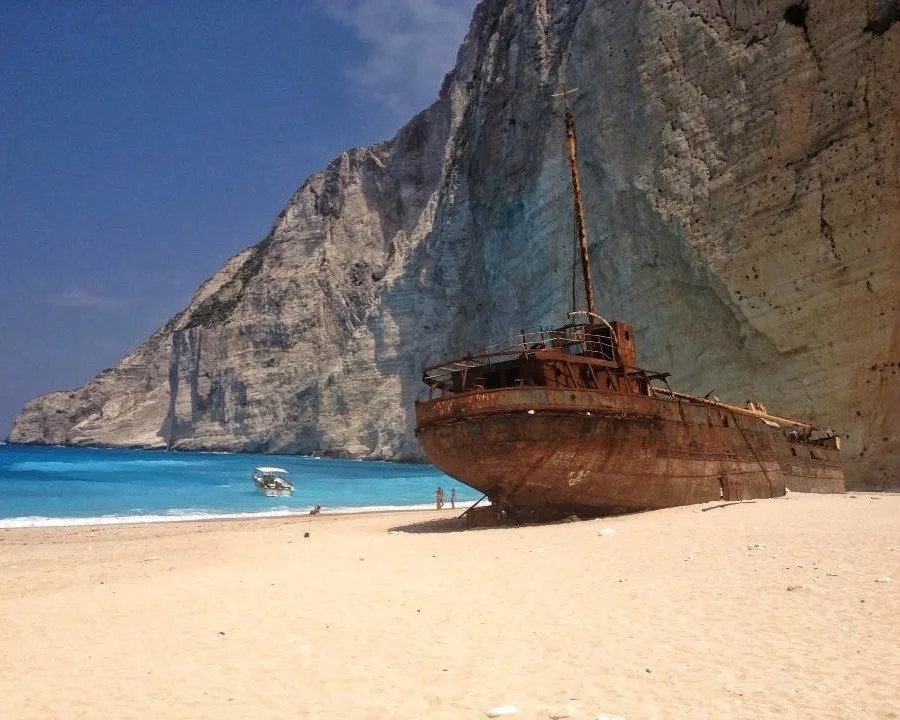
pixel 774 608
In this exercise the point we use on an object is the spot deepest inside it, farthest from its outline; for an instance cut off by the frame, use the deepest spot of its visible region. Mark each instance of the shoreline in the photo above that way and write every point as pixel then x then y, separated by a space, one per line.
pixel 17 523
pixel 33 522
pixel 38 522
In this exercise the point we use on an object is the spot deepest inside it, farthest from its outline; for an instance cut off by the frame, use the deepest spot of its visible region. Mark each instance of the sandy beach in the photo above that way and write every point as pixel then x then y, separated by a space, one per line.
pixel 775 608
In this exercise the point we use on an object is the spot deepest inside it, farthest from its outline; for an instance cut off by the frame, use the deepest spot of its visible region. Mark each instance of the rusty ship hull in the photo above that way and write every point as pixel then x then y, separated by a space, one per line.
pixel 545 452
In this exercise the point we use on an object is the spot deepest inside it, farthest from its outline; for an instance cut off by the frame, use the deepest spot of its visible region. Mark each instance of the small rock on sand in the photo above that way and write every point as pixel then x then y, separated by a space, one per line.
pixel 607 531
pixel 501 711
pixel 884 579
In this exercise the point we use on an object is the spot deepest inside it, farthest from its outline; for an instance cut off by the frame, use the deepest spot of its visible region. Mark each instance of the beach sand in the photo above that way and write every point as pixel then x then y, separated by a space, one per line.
pixel 772 608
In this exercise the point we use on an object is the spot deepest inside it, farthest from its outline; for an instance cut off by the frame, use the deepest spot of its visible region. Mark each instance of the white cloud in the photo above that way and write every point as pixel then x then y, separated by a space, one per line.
pixel 81 299
pixel 412 44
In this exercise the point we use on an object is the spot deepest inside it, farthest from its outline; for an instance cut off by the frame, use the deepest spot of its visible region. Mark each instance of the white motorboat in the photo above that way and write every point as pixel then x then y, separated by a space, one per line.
pixel 272 481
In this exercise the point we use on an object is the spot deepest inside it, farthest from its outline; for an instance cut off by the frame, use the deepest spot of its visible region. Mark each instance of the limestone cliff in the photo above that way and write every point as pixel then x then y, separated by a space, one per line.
pixel 742 182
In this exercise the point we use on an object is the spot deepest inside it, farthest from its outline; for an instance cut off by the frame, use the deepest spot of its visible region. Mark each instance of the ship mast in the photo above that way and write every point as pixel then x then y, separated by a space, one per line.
pixel 580 226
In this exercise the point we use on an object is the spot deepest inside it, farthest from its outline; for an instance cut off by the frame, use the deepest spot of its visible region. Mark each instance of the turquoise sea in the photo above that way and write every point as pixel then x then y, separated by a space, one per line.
pixel 81 486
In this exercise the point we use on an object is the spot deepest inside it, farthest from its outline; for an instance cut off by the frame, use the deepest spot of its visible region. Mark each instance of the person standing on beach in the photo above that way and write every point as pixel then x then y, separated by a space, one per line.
pixel 439 497
pixel 453 498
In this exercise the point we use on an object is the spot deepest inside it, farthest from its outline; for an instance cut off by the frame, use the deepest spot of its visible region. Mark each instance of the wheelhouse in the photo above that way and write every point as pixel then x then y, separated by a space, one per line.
pixel 578 356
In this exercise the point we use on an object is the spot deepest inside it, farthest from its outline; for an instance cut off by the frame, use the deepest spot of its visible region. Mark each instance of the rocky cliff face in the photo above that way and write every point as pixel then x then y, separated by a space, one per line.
pixel 742 183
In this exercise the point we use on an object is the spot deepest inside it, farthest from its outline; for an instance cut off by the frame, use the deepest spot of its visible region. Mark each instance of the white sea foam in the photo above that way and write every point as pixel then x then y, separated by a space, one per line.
pixel 194 514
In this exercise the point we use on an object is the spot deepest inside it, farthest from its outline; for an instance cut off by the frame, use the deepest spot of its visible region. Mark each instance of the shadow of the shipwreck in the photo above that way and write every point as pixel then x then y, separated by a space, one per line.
pixel 437 525
pixel 459 524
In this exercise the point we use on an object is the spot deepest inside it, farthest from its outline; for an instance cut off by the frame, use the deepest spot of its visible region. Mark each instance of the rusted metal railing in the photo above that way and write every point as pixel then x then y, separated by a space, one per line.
pixel 587 340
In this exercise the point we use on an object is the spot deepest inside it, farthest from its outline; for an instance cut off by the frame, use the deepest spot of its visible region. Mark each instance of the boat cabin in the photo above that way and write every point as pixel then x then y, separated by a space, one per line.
pixel 577 356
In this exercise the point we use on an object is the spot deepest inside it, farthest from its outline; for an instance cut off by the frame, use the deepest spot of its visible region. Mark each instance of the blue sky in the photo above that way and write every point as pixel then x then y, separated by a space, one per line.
pixel 142 144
